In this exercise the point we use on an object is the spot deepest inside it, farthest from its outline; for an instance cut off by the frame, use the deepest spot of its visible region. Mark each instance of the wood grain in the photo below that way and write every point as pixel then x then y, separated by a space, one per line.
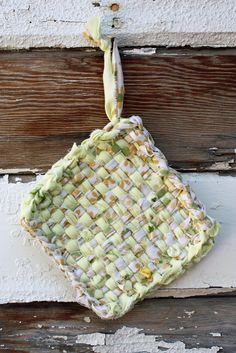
pixel 51 98
pixel 41 327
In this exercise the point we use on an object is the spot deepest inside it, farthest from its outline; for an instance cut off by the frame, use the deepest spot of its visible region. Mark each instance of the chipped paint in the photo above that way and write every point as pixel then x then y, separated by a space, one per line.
pixel 87 319
pixel 95 339
pixel 57 337
pixel 27 274
pixel 189 313
pixel 18 171
pixel 29 23
pixel 140 51
pixel 215 334
pixel 130 340
pixel 225 165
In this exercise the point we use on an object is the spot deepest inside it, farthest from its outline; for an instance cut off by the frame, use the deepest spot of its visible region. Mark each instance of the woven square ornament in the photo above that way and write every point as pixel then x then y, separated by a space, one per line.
pixel 118 221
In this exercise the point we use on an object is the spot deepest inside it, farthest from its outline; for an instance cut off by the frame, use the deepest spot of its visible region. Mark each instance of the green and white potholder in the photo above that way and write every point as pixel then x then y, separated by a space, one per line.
pixel 115 217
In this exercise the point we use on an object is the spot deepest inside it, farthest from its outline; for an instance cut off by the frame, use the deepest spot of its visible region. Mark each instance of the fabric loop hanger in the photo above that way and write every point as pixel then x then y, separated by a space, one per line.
pixel 112 74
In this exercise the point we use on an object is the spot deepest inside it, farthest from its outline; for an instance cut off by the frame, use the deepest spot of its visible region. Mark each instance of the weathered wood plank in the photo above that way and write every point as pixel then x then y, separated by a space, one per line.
pixel 51 98
pixel 198 322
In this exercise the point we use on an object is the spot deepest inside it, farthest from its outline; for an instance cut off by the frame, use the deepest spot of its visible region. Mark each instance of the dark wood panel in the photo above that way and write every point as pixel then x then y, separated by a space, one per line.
pixel 41 327
pixel 51 98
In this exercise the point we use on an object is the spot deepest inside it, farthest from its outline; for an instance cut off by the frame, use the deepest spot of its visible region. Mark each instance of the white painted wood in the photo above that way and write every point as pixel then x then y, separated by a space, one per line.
pixel 131 340
pixel 57 23
pixel 27 274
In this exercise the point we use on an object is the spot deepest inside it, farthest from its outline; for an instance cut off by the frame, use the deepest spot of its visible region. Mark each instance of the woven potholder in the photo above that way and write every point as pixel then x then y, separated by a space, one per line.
pixel 116 218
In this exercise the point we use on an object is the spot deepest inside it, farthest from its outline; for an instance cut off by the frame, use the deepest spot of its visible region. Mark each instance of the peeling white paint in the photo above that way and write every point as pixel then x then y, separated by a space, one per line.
pixel 189 313
pixel 222 165
pixel 87 319
pixel 56 23
pixel 18 171
pixel 96 339
pixel 64 338
pixel 140 51
pixel 215 334
pixel 28 274
pixel 130 340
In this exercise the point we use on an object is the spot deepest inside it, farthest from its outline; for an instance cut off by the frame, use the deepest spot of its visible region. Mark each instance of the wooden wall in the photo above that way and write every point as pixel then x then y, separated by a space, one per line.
pixel 52 98
pixel 53 327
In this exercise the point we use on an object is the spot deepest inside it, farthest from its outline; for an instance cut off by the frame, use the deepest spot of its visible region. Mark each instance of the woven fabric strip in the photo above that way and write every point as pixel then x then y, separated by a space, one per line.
pixel 112 74
pixel 118 221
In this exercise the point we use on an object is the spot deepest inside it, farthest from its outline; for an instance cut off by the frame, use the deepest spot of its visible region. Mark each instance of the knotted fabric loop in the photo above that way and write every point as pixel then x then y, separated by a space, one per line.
pixel 112 74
